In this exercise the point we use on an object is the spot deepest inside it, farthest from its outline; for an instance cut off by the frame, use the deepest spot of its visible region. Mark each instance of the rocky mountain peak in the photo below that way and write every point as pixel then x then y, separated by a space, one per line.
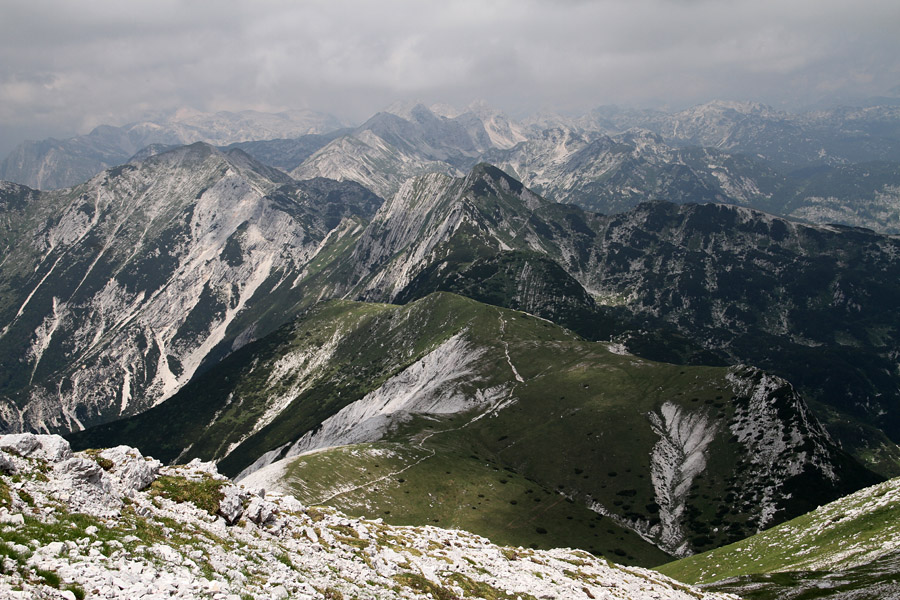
pixel 162 253
pixel 405 109
pixel 487 180
pixel 422 114
pixel 488 174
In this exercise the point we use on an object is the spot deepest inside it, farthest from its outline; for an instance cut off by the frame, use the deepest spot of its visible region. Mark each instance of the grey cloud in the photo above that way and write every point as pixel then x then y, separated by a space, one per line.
pixel 67 66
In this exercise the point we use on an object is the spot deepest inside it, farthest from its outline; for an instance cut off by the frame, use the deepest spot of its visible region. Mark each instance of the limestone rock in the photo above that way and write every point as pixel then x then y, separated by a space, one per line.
pixel 83 470
pixel 6 465
pixel 231 507
pixel 261 511
pixel 133 470
pixel 52 448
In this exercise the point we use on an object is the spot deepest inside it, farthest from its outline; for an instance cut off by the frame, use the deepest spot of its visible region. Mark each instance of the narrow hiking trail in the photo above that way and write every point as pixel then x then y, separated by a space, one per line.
pixel 418 442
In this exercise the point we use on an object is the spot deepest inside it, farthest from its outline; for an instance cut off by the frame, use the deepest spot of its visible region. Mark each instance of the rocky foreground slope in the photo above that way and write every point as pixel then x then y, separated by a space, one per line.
pixel 115 524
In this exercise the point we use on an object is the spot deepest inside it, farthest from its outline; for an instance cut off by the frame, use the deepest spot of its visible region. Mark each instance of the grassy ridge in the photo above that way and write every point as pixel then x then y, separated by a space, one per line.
pixel 850 544
pixel 576 426
pixel 840 535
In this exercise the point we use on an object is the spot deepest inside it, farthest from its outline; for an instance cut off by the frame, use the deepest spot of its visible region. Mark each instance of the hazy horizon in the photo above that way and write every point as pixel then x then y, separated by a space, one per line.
pixel 68 67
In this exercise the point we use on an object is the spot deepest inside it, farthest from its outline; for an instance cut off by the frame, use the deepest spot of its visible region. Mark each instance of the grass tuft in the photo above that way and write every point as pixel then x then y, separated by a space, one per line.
pixel 479 589
pixel 205 494
pixel 422 585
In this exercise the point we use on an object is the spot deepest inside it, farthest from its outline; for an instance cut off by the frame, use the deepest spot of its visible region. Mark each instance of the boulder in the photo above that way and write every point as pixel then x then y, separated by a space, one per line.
pixel 131 468
pixel 52 448
pixel 11 518
pixel 199 466
pixel 279 592
pixel 260 511
pixel 231 507
pixel 83 470
pixel 291 504
pixel 6 465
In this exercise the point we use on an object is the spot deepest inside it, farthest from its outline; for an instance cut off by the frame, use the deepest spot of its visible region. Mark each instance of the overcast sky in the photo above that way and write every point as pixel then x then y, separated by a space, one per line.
pixel 66 66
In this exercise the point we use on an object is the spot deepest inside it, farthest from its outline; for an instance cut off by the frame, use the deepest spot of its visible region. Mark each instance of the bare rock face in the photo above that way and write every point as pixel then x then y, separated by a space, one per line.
pixel 677 458
pixel 115 291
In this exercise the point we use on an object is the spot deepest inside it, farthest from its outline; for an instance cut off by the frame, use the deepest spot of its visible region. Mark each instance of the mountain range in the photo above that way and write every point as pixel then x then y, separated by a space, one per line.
pixel 53 164
pixel 239 253
pixel 835 166
pixel 595 340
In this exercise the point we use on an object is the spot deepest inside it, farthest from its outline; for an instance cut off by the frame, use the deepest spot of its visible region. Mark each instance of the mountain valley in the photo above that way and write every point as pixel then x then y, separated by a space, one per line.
pixel 502 396
pixel 646 336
